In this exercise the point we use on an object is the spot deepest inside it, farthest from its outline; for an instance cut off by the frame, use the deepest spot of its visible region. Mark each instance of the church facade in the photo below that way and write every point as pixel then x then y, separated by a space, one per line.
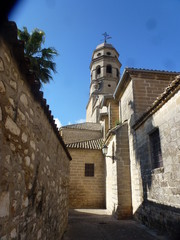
pixel 135 119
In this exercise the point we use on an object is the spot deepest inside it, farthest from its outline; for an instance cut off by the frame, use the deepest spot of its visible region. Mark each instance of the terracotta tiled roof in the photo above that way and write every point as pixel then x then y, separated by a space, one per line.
pixel 8 32
pixel 160 101
pixel 95 144
pixel 85 126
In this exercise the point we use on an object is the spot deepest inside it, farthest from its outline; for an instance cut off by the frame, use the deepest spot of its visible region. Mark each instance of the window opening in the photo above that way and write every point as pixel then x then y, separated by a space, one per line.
pixel 109 69
pixel 98 70
pixel 117 72
pixel 155 145
pixel 89 169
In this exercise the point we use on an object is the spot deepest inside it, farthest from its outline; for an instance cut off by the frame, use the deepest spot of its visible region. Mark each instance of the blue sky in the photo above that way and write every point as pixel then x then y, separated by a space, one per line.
pixel 145 33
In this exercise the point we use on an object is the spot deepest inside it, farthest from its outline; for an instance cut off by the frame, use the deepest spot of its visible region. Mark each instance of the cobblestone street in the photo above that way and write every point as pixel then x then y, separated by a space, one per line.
pixel 86 224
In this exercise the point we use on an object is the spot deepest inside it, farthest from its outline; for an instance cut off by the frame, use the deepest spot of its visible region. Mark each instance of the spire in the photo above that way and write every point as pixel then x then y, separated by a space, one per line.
pixel 106 36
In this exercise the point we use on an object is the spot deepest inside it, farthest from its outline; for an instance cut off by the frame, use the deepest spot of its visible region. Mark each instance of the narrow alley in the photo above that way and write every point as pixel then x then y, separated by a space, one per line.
pixel 88 224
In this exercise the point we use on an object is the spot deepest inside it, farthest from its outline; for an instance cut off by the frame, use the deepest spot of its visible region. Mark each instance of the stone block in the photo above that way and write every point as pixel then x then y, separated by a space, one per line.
pixel 13 84
pixel 24 100
pixel 24 137
pixel 0 114
pixel 4 204
pixel 33 145
pixel 13 233
pixel 27 161
pixel 2 87
pixel 12 126
pixel 1 65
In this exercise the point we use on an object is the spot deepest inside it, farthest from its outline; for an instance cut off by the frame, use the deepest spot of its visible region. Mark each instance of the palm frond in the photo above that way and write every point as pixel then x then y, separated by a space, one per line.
pixel 41 59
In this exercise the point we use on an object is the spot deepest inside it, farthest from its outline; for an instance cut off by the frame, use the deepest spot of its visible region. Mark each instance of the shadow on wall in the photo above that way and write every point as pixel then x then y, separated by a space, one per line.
pixel 153 214
pixel 161 217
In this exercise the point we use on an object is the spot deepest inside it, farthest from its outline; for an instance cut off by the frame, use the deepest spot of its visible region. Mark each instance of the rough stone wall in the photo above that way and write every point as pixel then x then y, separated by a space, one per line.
pixel 76 135
pixel 87 192
pixel 34 167
pixel 161 193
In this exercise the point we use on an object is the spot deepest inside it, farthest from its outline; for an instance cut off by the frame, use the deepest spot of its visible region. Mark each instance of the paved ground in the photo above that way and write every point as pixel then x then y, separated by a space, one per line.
pixel 85 224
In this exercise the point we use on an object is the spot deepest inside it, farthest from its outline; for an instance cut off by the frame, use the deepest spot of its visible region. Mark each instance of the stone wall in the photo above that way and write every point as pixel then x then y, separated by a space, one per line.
pixel 146 88
pixel 114 114
pixel 127 104
pixel 70 135
pixel 161 193
pixel 111 178
pixel 124 210
pixel 118 179
pixel 87 192
pixel 34 162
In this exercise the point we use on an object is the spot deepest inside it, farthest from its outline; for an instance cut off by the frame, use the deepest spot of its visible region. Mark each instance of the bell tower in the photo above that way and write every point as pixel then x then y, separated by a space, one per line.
pixel 105 75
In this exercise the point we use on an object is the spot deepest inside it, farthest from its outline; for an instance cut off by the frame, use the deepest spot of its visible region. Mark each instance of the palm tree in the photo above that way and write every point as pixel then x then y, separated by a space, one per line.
pixel 41 59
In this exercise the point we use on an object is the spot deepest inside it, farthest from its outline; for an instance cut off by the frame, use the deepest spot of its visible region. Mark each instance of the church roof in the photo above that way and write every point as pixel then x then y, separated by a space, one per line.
pixel 93 144
pixel 104 45
pixel 85 126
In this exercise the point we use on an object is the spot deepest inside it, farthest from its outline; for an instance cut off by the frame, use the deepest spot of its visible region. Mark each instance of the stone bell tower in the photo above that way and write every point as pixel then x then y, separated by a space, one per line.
pixel 105 74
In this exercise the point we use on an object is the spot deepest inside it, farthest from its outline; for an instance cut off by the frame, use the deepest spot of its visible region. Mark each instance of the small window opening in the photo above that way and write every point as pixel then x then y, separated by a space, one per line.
pixel 98 70
pixel 89 169
pixel 109 69
pixel 109 85
pixel 117 73
pixel 155 146
pixel 99 54
pixel 108 53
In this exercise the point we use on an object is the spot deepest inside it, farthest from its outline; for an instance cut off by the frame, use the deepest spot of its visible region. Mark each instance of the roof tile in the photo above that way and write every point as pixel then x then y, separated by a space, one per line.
pixel 95 144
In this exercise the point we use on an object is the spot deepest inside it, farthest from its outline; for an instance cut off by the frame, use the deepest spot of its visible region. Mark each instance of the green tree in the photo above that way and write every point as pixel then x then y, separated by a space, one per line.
pixel 41 59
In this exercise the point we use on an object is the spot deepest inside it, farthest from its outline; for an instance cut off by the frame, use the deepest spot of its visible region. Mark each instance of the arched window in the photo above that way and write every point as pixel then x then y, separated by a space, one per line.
pixel 98 70
pixel 109 68
pixel 117 73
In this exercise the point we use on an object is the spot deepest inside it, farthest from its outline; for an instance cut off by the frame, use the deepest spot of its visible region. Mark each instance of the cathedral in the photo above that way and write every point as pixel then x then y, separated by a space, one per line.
pixel 126 156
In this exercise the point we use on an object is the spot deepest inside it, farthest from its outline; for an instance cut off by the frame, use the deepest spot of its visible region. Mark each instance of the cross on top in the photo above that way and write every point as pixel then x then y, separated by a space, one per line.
pixel 106 36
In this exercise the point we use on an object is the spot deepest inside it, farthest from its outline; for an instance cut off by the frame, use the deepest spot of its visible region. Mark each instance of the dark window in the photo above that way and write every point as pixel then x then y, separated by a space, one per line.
pixel 89 169
pixel 99 54
pixel 117 72
pixel 109 69
pixel 98 70
pixel 108 53
pixel 156 155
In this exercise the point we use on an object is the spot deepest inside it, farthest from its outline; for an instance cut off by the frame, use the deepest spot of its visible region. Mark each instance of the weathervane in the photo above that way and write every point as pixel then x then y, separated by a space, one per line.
pixel 106 36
